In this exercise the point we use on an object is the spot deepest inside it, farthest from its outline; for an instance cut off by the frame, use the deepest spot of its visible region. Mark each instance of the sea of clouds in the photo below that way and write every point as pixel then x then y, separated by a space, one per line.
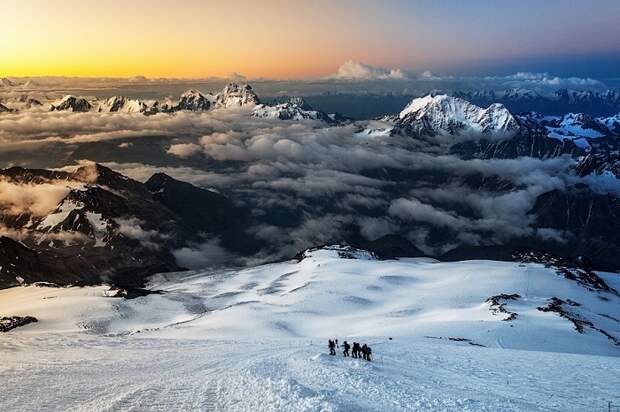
pixel 305 183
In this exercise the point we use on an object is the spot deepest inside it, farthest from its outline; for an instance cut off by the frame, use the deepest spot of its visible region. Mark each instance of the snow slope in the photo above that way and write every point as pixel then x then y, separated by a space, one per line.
pixel 90 373
pixel 254 339
pixel 325 293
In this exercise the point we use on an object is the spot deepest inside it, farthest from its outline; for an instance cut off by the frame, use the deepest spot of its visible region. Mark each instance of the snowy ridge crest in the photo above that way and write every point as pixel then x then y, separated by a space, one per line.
pixel 445 115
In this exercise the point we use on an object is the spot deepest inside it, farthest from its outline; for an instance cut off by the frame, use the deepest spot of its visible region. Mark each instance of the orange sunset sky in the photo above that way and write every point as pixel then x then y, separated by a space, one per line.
pixel 288 39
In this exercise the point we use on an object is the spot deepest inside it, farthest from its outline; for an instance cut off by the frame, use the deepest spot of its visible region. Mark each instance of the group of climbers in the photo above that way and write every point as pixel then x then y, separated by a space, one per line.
pixel 364 351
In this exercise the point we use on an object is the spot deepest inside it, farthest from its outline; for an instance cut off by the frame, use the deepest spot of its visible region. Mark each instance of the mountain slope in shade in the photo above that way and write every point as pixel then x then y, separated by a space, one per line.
pixel 531 143
pixel 105 226
pixel 205 212
pixel 588 223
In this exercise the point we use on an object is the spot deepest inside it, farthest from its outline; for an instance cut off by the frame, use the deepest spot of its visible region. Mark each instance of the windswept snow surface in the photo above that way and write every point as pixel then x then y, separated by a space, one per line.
pixel 80 372
pixel 255 339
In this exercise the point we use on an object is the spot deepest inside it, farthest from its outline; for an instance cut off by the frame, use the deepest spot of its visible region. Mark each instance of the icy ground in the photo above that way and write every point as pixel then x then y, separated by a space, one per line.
pixel 256 340
pixel 80 372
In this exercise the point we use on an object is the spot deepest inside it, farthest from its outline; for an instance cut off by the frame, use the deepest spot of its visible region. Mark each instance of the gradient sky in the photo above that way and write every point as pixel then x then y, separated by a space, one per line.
pixel 305 39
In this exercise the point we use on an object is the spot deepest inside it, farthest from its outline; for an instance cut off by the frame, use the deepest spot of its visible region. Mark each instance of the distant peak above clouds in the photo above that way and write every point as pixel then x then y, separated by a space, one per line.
pixel 442 114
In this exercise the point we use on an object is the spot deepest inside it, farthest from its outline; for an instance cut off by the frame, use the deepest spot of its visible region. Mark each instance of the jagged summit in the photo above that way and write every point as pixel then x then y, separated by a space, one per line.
pixel 193 100
pixel 236 95
pixel 442 114
pixel 294 108
pixel 72 103
pixel 122 104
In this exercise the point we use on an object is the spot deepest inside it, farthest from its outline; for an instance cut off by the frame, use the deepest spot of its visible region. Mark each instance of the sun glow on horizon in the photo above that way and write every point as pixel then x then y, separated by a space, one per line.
pixel 281 39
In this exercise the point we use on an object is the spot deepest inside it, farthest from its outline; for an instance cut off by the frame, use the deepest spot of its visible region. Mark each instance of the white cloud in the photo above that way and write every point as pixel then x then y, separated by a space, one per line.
pixel 351 70
pixel 38 200
pixel 184 150
pixel 209 253
pixel 132 228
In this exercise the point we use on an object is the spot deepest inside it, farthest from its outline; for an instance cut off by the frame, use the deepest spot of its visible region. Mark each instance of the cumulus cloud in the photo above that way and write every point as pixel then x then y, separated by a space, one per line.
pixel 132 228
pixel 352 70
pixel 33 199
pixel 184 150
pixel 413 209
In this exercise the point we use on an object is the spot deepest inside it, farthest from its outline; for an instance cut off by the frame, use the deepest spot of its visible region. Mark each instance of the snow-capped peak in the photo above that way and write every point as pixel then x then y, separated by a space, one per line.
pixel 295 108
pixel 443 114
pixel 422 102
pixel 236 95
pixel 194 101
pixel 122 104
pixel 71 103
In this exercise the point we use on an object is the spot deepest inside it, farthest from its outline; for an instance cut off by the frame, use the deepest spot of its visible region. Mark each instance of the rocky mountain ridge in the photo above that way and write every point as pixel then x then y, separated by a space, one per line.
pixel 105 227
